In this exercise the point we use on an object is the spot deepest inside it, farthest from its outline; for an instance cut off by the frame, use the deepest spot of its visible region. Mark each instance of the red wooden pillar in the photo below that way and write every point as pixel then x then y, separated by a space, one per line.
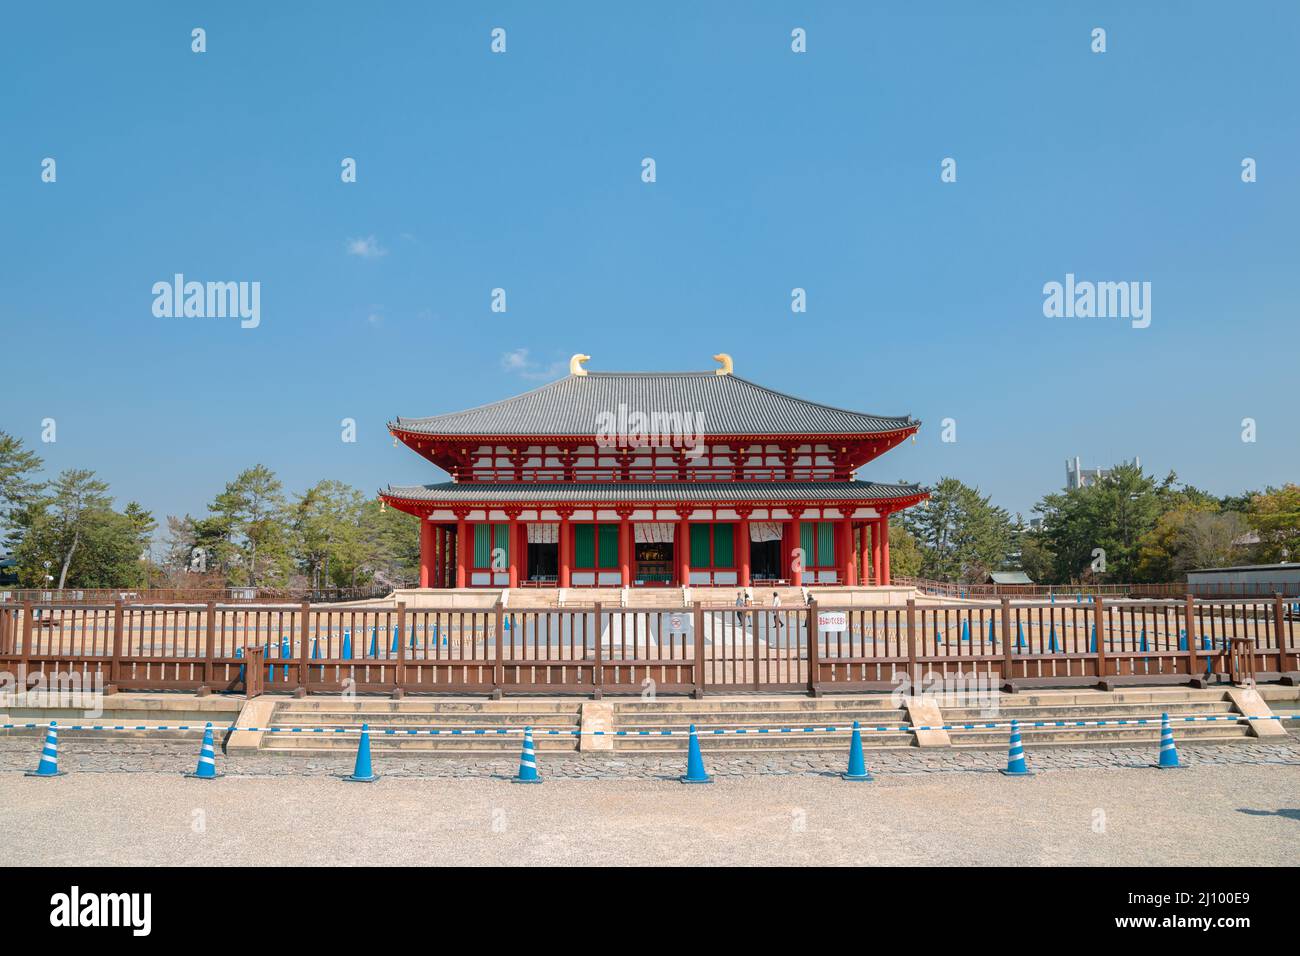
pixel 682 549
pixel 427 558
pixel 847 557
pixel 463 550
pixel 864 553
pixel 512 558
pixel 884 549
pixel 566 545
pixel 435 576
pixel 523 551
pixel 875 551
pixel 742 548
pixel 624 549
pixel 797 560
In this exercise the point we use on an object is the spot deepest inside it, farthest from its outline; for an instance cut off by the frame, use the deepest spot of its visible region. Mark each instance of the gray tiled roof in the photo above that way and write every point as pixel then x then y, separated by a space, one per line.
pixel 719 404
pixel 590 492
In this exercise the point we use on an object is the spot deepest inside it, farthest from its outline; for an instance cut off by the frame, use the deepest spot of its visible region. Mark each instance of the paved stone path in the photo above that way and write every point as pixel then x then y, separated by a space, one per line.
pixel 129 755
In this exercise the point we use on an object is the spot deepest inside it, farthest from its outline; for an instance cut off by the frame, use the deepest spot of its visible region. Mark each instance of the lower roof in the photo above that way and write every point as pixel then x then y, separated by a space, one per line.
pixel 694 492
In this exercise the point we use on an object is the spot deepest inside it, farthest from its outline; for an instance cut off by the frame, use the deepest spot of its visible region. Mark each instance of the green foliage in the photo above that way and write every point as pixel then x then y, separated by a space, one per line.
pixel 1275 517
pixel 248 530
pixel 72 537
pixel 1094 532
pixel 961 534
pixel 17 468
pixel 905 556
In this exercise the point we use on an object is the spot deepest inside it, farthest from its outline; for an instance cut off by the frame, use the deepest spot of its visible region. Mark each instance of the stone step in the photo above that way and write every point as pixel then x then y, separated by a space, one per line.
pixel 1082 712
pixel 821 705
pixel 429 704
pixel 1098 736
pixel 348 719
pixel 769 721
pixel 450 746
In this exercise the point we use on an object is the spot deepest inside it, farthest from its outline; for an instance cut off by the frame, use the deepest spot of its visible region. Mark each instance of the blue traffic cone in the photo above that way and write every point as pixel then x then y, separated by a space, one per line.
pixel 207 768
pixel 239 652
pixel 1142 646
pixel 270 668
pixel 49 765
pixel 1078 598
pixel 397 636
pixel 857 766
pixel 286 654
pixel 1020 636
pixel 347 644
pixel 374 647
pixel 965 630
pixel 695 763
pixel 362 772
pixel 527 761
pixel 993 637
pixel 1051 647
pixel 1168 752
pixel 1016 755
pixel 1092 641
pixel 315 648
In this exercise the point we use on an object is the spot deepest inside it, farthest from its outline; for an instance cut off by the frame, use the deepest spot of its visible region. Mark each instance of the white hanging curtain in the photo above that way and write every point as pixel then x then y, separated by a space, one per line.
pixel 765 531
pixel 653 532
pixel 543 532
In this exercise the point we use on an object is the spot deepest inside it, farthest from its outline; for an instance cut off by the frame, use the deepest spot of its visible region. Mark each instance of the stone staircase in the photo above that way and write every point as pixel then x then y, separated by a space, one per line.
pixel 1075 706
pixel 772 714
pixel 425 714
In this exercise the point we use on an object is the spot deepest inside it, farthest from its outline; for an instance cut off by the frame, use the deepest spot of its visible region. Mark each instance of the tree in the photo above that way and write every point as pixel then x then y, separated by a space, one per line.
pixel 1095 531
pixel 17 466
pixel 1194 535
pixel 328 537
pixel 247 529
pixel 961 534
pixel 905 557
pixel 75 529
pixel 1275 517
pixel 1036 558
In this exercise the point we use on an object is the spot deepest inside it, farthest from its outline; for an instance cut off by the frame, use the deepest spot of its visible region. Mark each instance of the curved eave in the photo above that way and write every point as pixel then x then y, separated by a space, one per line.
pixel 424 443
pixel 421 507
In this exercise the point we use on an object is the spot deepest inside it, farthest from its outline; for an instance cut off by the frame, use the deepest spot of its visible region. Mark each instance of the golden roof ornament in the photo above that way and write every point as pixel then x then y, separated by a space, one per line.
pixel 575 364
pixel 725 360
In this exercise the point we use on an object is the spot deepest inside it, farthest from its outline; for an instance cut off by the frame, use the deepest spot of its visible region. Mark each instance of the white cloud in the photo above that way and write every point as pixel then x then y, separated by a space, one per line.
pixel 367 247
pixel 518 362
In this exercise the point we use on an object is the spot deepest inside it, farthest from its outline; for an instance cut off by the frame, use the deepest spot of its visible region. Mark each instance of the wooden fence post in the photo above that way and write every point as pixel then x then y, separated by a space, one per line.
pixel 24 659
pixel 399 672
pixel 1098 620
pixel 598 670
pixel 814 652
pixel 304 652
pixel 697 627
pixel 1280 628
pixel 913 669
pixel 499 668
pixel 115 665
pixel 1008 663
pixel 1189 628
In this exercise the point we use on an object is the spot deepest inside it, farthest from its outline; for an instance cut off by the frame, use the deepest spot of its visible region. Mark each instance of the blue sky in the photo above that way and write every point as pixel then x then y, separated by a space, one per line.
pixel 775 170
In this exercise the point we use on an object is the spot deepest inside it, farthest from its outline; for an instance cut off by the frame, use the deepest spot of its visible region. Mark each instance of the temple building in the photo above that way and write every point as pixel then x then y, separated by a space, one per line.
pixel 648 479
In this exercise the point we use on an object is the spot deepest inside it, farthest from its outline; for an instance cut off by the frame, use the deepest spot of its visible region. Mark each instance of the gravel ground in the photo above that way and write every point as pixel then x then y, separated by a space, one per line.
pixel 1205 815
pixel 128 804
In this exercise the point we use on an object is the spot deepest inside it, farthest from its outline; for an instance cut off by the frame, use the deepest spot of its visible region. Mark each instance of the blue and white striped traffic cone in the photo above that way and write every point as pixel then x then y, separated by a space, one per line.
pixel 695 762
pixel 857 765
pixel 362 772
pixel 49 765
pixel 1016 755
pixel 965 629
pixel 527 761
pixel 207 768
pixel 1168 752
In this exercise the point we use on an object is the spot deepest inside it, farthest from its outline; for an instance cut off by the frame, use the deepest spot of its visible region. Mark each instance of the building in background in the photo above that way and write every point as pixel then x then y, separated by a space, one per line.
pixel 653 478
pixel 1246 580
pixel 1076 476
